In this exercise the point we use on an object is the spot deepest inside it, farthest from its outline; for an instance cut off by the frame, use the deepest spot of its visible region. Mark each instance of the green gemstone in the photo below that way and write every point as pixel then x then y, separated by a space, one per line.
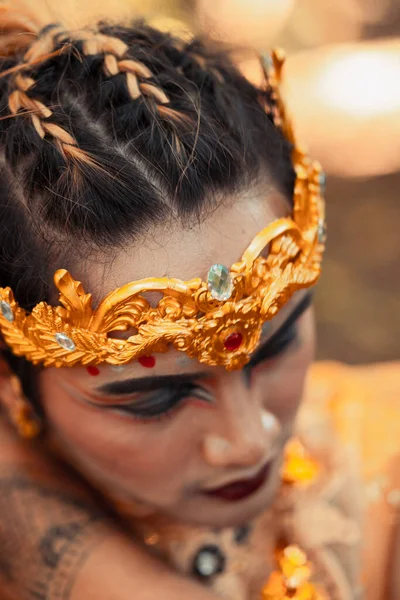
pixel 219 282
pixel 321 231
pixel 65 342
pixel 6 311
pixel 322 183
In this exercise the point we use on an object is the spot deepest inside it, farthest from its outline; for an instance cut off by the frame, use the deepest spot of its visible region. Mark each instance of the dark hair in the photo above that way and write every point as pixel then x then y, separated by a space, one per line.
pixel 103 134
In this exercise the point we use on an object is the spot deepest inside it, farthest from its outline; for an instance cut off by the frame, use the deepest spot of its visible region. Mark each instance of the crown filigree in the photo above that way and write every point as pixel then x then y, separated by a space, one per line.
pixel 217 321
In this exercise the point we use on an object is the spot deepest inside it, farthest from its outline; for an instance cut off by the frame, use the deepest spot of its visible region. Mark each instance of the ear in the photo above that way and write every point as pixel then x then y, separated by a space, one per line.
pixel 14 403
pixel 7 392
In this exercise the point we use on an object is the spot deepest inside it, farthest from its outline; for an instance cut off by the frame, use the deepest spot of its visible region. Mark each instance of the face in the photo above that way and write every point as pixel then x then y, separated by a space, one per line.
pixel 168 434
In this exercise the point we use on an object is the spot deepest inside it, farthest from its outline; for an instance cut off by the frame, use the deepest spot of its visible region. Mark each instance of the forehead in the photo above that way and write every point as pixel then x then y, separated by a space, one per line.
pixel 184 252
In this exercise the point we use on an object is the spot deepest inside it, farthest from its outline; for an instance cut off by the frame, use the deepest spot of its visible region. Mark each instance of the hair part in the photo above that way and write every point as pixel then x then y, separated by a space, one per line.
pixel 105 132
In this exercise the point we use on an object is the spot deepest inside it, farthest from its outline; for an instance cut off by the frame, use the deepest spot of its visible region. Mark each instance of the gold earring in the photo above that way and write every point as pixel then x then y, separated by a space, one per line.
pixel 21 413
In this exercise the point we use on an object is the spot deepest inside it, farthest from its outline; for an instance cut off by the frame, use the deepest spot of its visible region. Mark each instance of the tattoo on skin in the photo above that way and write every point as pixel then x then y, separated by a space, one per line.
pixel 45 538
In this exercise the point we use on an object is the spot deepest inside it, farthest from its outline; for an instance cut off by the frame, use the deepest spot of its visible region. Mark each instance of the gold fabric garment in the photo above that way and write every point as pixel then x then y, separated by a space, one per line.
pixel 363 406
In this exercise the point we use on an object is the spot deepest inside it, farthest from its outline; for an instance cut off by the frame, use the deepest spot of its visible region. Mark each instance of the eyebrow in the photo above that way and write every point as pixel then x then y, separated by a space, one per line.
pixel 146 384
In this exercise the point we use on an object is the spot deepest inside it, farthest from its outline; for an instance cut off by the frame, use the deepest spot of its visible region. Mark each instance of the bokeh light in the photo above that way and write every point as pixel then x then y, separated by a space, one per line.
pixel 247 22
pixel 346 105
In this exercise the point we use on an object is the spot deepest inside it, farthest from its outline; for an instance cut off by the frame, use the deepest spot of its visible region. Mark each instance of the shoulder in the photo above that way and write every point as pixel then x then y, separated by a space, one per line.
pixel 355 410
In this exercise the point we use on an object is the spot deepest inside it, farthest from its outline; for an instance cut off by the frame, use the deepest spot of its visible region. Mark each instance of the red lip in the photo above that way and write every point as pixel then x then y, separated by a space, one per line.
pixel 238 490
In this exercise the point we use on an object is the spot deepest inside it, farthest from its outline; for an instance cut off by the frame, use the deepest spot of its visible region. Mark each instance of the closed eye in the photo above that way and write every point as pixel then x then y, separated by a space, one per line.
pixel 162 403
pixel 164 400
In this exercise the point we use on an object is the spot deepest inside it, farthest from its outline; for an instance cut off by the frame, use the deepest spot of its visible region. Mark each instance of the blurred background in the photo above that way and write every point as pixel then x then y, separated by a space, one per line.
pixel 343 89
pixel 343 86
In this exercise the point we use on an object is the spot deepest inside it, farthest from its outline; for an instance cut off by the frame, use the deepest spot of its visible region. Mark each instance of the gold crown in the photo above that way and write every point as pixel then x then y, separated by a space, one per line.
pixel 217 321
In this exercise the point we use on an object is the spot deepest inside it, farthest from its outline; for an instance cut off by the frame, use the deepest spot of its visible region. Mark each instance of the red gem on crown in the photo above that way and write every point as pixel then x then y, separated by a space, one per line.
pixel 147 361
pixel 233 341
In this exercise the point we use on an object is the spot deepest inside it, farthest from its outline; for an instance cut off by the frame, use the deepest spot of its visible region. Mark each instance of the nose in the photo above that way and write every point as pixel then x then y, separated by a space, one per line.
pixel 243 452
pixel 247 437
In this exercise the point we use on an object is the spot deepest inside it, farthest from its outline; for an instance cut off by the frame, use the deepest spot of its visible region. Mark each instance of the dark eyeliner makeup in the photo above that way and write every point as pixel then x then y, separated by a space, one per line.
pixel 162 396
pixel 278 347
pixel 162 402
pixel 283 337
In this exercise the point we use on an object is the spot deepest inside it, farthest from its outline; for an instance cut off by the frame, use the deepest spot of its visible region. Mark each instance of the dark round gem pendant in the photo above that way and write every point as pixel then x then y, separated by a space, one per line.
pixel 208 562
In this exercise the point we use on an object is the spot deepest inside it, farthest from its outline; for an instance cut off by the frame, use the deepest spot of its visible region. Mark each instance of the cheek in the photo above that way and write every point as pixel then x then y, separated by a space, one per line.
pixel 117 452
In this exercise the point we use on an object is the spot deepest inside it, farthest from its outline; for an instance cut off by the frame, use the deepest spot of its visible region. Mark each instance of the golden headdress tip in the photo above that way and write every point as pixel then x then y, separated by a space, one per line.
pixel 217 321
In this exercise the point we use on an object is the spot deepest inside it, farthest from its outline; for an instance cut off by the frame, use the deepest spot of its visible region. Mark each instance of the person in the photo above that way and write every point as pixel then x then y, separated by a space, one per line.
pixel 159 397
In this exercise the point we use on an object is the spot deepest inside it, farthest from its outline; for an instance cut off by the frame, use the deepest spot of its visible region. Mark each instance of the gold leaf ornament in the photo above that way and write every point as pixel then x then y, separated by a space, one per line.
pixel 190 317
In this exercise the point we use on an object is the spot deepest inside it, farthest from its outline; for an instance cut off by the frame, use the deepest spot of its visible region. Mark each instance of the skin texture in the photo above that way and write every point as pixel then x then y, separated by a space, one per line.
pixel 166 464
pixel 57 544
pixel 46 530
pixel 161 466
pixel 56 541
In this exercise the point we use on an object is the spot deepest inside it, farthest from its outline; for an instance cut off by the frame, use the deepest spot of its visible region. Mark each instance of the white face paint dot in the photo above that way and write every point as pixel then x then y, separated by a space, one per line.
pixel 220 445
pixel 117 368
pixel 268 420
pixel 183 361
